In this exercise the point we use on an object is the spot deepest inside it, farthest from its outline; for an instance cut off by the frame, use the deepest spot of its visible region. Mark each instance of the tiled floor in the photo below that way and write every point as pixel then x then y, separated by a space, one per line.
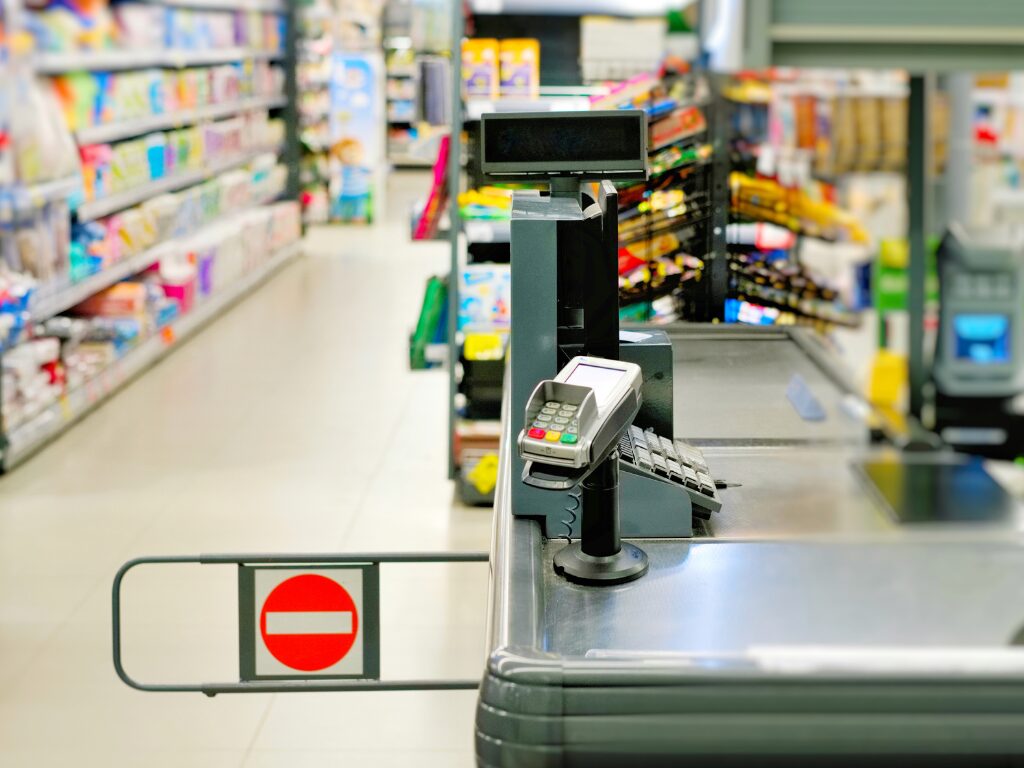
pixel 290 424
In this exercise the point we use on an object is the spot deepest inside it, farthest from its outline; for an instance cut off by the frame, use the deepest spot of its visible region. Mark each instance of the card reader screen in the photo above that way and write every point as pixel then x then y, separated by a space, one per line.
pixel 982 339
pixel 601 380
pixel 565 140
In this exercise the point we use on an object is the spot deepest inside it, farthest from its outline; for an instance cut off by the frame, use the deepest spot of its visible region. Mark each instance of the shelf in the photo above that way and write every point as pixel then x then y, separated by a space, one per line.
pixel 58 416
pixel 26 198
pixel 113 60
pixel 409 161
pixel 266 6
pixel 138 194
pixel 99 134
pixel 477 107
pixel 487 230
pixel 61 298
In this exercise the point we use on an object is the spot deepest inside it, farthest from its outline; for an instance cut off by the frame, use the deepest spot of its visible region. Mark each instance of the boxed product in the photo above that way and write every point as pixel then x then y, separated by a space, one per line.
pixel 485 297
pixel 118 300
pixel 520 68
pixel 480 74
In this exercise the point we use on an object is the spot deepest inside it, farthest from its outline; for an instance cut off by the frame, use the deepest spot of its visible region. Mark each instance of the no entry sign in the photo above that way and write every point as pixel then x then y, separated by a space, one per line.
pixel 317 621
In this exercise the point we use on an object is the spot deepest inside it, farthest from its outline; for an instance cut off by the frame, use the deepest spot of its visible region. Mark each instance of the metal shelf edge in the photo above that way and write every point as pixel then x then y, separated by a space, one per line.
pixel 98 134
pixel 119 60
pixel 139 194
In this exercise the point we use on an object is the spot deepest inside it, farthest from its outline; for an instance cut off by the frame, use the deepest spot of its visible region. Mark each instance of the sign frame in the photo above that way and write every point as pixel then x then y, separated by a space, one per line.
pixel 368 628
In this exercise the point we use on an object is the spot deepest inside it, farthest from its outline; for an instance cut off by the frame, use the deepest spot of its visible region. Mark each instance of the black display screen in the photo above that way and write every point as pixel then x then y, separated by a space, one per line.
pixel 934 493
pixel 564 140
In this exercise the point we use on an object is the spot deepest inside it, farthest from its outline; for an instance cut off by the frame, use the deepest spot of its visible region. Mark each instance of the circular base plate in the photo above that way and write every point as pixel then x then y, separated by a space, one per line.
pixel 575 565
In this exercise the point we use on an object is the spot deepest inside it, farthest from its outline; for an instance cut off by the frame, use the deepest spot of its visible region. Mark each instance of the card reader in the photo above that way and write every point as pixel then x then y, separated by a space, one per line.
pixel 574 420
pixel 572 430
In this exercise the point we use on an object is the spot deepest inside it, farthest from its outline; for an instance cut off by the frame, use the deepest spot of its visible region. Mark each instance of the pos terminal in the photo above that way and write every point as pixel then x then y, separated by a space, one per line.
pixel 574 424
pixel 979 358
pixel 564 257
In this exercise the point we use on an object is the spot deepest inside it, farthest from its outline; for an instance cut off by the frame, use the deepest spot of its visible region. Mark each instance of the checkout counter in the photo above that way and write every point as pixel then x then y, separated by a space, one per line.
pixel 849 603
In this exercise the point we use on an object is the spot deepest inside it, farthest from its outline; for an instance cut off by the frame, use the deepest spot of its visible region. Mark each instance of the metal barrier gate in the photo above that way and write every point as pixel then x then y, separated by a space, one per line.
pixel 345 612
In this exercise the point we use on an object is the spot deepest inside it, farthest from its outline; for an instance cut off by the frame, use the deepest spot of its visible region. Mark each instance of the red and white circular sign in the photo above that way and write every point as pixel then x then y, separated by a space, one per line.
pixel 309 622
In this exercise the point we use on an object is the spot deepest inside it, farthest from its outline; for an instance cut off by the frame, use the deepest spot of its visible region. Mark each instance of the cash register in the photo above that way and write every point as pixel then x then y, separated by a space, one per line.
pixel 979 358
pixel 564 257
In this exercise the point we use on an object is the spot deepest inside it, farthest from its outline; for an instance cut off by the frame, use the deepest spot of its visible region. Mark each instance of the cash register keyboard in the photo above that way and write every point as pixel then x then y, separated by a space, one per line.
pixel 675 461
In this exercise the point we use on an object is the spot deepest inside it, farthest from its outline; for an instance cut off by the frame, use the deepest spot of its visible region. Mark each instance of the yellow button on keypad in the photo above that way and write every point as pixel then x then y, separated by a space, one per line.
pixel 552 437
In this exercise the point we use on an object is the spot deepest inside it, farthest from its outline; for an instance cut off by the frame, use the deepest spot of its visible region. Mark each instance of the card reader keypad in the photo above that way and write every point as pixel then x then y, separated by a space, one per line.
pixel 675 461
pixel 555 423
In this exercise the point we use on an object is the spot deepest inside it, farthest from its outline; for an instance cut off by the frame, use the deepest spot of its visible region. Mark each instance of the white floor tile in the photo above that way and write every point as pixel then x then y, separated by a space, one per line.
pixel 397 759
pixel 411 723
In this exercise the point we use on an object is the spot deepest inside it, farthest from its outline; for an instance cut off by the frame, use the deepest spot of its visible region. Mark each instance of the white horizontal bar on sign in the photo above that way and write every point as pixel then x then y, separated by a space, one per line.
pixel 310 623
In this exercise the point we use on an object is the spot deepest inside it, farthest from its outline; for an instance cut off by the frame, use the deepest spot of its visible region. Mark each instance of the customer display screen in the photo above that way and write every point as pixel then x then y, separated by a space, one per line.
pixel 601 380
pixel 982 339
pixel 564 140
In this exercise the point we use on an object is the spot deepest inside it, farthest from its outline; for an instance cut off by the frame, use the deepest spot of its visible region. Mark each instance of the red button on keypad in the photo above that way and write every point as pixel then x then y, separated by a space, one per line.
pixel 537 434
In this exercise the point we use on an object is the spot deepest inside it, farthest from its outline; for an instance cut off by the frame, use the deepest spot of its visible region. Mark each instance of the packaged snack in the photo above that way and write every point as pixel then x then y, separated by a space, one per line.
pixel 480 69
pixel 520 68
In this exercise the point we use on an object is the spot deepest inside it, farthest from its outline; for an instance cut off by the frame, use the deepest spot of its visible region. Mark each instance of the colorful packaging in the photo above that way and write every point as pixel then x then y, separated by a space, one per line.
pixel 118 300
pixel 520 68
pixel 485 297
pixel 480 72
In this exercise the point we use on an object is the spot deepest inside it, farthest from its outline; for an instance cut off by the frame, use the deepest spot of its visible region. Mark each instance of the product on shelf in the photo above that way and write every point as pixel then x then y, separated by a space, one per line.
pixel 429 219
pixel 46 258
pixel 91 99
pixel 486 203
pixel 520 68
pixel 63 26
pixel 111 168
pixel 44 149
pixel 480 68
pixel 67 352
pixel 767 200
pixel 485 292
pixel 771 289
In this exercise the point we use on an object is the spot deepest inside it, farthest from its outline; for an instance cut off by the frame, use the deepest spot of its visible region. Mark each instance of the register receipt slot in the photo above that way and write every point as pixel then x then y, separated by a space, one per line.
pixel 571 436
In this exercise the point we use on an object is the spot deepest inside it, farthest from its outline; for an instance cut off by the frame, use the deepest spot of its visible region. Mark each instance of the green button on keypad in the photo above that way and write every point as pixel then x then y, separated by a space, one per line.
pixel 569 439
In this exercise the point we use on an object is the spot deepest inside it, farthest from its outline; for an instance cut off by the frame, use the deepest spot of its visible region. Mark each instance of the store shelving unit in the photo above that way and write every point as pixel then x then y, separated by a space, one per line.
pixel 118 201
pixel 98 134
pixel 118 61
pixel 19 440
pixel 51 421
pixel 60 296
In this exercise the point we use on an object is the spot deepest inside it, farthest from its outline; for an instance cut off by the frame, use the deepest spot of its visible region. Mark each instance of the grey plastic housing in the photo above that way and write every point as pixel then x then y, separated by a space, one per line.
pixel 992 258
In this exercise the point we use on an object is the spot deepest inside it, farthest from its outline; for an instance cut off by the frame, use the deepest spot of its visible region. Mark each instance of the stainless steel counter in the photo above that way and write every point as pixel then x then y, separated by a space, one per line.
pixel 795 626
pixel 730 387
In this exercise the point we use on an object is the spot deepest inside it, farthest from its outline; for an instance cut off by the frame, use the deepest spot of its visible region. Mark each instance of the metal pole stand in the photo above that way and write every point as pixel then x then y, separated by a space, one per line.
pixel 600 558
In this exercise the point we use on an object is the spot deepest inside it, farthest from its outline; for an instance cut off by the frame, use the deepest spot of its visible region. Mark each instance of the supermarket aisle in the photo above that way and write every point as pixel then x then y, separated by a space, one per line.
pixel 290 424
